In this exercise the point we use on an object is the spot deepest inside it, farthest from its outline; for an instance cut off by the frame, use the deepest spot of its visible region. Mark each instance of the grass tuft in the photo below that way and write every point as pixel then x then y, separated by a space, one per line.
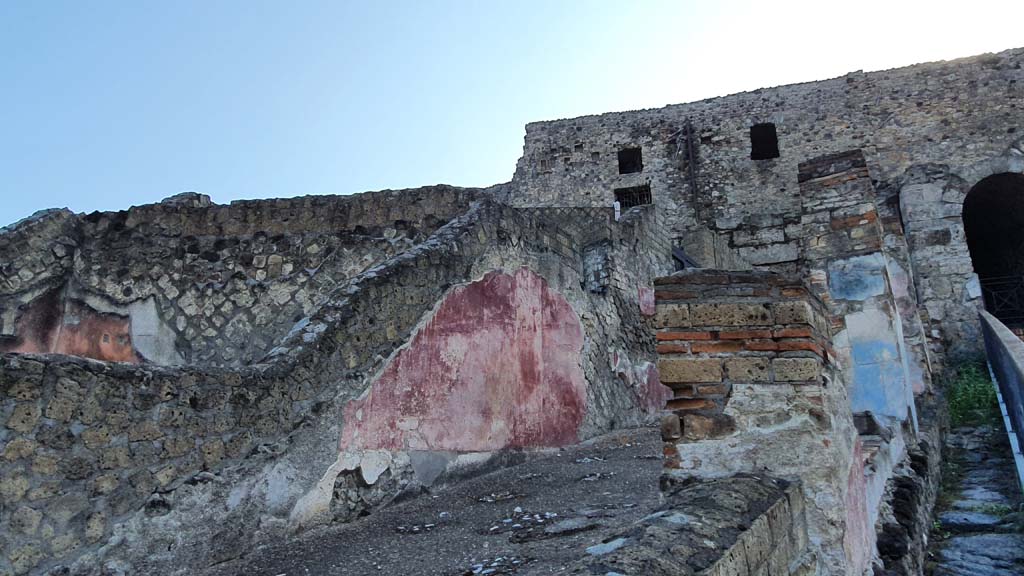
pixel 971 396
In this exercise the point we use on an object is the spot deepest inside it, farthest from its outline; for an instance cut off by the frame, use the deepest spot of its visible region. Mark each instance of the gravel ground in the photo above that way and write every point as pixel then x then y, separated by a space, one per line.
pixel 533 518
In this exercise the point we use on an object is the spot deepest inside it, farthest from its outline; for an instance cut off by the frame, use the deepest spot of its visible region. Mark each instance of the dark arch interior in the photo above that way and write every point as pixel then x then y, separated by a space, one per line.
pixel 994 224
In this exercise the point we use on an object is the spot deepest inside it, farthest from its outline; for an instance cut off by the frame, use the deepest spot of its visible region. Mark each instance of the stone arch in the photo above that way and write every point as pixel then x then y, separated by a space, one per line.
pixel 1011 160
pixel 931 200
pixel 993 218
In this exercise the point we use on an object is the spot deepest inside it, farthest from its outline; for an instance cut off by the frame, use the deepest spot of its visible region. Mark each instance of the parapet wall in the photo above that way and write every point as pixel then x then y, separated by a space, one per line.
pixel 745 525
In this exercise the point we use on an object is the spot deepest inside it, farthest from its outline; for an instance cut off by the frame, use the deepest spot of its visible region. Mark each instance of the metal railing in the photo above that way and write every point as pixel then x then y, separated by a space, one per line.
pixel 1005 352
pixel 1004 298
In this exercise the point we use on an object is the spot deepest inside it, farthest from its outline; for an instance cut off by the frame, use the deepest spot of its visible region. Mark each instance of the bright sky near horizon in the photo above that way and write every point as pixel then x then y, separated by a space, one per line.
pixel 108 104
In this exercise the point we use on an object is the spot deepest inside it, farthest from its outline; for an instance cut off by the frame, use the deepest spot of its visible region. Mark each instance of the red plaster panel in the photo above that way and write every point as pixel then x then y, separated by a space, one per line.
pixel 497 366
pixel 38 326
pixel 91 334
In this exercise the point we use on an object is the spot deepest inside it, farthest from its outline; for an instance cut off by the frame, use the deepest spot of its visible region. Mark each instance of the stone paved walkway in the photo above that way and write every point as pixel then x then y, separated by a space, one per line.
pixel 980 528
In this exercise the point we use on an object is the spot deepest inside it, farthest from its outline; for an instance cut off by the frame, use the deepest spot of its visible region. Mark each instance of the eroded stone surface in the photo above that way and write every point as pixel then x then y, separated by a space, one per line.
pixel 497 365
pixel 986 538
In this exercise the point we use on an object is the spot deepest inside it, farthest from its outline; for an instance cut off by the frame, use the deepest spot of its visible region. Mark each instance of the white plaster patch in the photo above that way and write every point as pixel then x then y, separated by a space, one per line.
pixel 278 484
pixel 373 463
pixel 973 287
pixel 314 504
pixel 151 337
pixel 237 495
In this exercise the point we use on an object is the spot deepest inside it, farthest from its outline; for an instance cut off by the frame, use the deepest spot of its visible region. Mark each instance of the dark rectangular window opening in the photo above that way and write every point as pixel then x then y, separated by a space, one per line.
pixel 633 196
pixel 631 160
pixel 764 142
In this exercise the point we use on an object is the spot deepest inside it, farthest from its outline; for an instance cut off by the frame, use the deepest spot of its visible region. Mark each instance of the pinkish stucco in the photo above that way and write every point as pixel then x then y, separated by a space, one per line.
pixel 498 365
pixel 645 295
pixel 645 382
pixel 859 539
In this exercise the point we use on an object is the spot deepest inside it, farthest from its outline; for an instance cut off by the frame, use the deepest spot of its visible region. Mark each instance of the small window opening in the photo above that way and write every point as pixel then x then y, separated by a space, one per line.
pixel 630 160
pixel 633 196
pixel 764 142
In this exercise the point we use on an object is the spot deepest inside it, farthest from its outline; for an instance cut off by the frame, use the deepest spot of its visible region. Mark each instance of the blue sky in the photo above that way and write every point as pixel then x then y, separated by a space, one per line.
pixel 105 105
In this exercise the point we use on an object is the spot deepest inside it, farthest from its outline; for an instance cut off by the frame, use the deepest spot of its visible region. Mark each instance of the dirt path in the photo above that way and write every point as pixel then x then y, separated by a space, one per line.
pixel 533 518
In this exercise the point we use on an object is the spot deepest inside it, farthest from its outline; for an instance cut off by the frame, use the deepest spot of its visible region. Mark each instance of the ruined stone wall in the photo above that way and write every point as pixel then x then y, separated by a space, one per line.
pixel 162 470
pixel 764 381
pixel 931 198
pixel 196 283
pixel 730 211
pixel 905 516
pixel 38 253
pixel 757 390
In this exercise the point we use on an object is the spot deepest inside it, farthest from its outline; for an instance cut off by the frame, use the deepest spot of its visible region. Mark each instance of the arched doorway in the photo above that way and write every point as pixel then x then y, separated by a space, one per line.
pixel 993 216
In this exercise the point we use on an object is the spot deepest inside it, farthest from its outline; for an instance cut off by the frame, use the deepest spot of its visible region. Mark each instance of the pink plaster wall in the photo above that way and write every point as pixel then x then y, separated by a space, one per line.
pixel 653 394
pixel 498 365
pixel 859 539
pixel 645 295
pixel 645 382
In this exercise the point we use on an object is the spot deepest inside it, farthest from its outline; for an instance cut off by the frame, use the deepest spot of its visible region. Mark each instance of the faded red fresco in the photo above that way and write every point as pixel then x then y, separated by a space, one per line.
pixel 645 382
pixel 653 394
pixel 645 295
pixel 858 541
pixel 53 325
pixel 497 366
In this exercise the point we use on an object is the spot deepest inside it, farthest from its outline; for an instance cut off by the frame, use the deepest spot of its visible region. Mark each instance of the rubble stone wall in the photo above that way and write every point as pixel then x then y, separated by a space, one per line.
pixel 163 469
pixel 203 284
pixel 757 390
pixel 960 117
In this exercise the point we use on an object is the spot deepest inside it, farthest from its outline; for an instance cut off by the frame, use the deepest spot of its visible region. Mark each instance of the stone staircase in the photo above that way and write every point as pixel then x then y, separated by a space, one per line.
pixel 978 531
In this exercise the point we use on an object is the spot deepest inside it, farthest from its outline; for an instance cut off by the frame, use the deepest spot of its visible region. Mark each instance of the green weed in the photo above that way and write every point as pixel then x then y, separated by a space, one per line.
pixel 971 396
pixel 998 510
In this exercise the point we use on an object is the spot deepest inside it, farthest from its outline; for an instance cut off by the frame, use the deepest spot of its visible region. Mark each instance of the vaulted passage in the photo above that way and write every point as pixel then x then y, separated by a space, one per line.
pixel 994 224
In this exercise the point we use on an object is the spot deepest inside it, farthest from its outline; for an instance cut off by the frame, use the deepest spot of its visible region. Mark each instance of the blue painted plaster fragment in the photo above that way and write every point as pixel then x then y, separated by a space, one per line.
pixel 857 278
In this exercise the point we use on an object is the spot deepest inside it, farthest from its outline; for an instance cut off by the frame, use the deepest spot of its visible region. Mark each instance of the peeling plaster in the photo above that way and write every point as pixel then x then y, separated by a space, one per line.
pixel 315 504
pixel 496 366
pixel 56 324
pixel 643 380
pixel 859 537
